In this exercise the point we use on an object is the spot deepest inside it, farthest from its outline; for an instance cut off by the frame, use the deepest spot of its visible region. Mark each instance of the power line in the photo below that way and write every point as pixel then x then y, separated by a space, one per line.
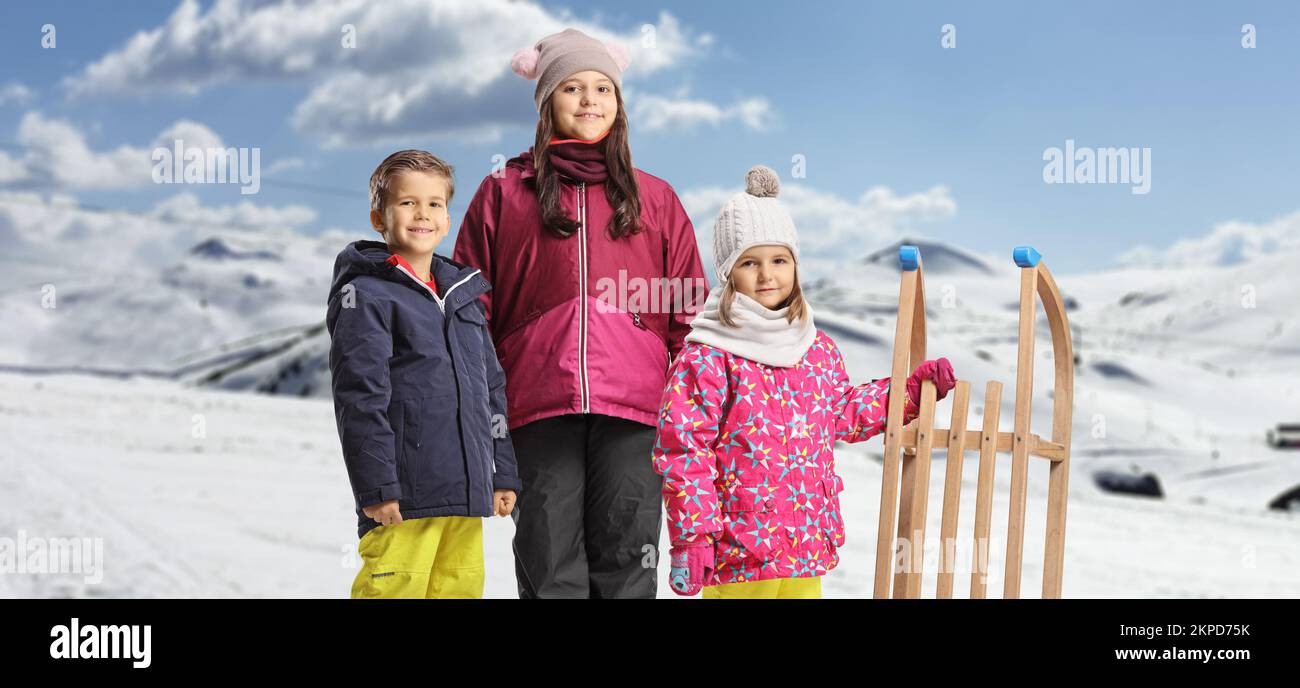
pixel 317 188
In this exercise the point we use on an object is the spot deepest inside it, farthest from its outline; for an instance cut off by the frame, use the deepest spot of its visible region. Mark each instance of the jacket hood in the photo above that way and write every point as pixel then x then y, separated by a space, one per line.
pixel 366 257
pixel 524 163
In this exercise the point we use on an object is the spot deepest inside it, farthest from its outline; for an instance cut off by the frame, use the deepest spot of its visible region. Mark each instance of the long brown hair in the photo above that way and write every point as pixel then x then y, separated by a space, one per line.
pixel 621 189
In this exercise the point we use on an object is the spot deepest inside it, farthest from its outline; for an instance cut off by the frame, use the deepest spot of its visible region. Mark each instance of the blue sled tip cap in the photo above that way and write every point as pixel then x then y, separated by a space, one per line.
pixel 1026 256
pixel 909 257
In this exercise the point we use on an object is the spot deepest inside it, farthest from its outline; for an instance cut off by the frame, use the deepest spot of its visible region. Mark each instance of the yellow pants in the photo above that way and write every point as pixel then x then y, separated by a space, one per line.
pixel 436 557
pixel 772 589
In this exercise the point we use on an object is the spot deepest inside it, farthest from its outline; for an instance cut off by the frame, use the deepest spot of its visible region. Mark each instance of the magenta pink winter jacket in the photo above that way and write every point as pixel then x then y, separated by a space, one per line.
pixel 746 451
pixel 570 335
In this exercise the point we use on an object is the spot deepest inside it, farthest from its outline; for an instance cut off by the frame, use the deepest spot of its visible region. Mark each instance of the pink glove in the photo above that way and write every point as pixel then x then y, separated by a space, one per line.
pixel 690 569
pixel 939 370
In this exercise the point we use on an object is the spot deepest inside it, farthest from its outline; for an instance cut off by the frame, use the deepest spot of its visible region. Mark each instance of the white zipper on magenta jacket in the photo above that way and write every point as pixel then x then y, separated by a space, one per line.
pixel 582 296
pixel 440 301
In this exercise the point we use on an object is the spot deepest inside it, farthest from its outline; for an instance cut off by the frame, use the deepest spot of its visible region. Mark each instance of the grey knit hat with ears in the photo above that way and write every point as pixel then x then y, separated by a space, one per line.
pixel 561 55
pixel 752 218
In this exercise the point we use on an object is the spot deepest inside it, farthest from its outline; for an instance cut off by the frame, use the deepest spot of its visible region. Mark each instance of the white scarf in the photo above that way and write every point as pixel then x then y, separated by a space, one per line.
pixel 763 334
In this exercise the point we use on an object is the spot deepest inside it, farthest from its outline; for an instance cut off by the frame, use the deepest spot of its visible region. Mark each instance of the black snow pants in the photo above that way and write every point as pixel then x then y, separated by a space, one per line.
pixel 587 522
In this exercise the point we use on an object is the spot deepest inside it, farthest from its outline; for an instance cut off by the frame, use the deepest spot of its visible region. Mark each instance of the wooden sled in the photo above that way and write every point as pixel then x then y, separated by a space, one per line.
pixel 899 560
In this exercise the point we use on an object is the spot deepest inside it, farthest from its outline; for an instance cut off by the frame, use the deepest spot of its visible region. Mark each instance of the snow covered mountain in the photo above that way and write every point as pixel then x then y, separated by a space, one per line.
pixel 940 258
pixel 230 295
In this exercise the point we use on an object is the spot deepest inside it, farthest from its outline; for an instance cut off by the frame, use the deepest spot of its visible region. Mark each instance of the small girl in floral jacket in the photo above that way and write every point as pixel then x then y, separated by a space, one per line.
pixel 754 404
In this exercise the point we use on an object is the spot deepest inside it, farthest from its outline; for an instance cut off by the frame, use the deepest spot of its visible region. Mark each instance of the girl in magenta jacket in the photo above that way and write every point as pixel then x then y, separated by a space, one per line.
pixel 596 275
pixel 753 407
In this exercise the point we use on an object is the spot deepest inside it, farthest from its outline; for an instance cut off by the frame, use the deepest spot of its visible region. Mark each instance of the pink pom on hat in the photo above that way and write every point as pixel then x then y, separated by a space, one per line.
pixel 561 55
pixel 524 63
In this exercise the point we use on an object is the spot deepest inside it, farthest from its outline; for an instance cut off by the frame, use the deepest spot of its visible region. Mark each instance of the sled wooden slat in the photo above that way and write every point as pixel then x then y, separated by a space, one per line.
pixel 1058 481
pixel 1038 446
pixel 952 490
pixel 1020 443
pixel 984 490
pixel 886 552
pixel 907 513
pixel 900 542
pixel 914 536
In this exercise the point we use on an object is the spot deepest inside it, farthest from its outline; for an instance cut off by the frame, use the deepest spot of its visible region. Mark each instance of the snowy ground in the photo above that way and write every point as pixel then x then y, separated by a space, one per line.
pixel 260 507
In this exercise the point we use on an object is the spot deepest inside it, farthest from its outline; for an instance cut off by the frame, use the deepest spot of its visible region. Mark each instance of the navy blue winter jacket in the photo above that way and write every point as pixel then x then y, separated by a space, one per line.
pixel 419 396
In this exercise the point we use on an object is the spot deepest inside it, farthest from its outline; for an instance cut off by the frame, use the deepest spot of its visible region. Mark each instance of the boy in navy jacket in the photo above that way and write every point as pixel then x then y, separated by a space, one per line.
pixel 419 395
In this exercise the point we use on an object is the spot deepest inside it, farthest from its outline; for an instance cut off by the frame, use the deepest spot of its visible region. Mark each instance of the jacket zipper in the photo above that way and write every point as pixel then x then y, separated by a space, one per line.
pixel 440 301
pixel 446 336
pixel 582 296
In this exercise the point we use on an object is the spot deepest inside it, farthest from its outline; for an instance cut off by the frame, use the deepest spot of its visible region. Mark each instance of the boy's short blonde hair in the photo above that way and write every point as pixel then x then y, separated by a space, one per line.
pixel 407 161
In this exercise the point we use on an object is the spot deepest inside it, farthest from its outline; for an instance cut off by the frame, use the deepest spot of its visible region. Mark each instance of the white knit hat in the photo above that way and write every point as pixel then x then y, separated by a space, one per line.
pixel 752 218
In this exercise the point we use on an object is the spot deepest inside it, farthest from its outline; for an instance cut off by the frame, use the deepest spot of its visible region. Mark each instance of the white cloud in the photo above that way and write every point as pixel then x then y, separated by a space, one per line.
pixel 652 113
pixel 1229 243
pixel 56 155
pixel 16 93
pixel 11 170
pixel 186 208
pixel 53 232
pixel 419 68
pixel 831 228
pixel 192 135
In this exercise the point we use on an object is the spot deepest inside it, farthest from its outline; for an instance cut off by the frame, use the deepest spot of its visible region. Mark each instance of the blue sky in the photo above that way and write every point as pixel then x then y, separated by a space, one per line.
pixel 863 90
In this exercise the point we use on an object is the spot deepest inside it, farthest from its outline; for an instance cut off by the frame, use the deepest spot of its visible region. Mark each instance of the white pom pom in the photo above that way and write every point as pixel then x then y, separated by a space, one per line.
pixel 524 63
pixel 619 53
pixel 762 181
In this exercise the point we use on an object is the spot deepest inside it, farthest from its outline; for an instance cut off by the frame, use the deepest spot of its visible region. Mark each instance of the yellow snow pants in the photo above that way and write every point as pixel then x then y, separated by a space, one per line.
pixel 434 557
pixel 772 589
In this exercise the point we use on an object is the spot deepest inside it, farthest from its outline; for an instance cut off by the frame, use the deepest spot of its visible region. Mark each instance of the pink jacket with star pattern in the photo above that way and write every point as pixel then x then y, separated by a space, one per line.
pixel 747 455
